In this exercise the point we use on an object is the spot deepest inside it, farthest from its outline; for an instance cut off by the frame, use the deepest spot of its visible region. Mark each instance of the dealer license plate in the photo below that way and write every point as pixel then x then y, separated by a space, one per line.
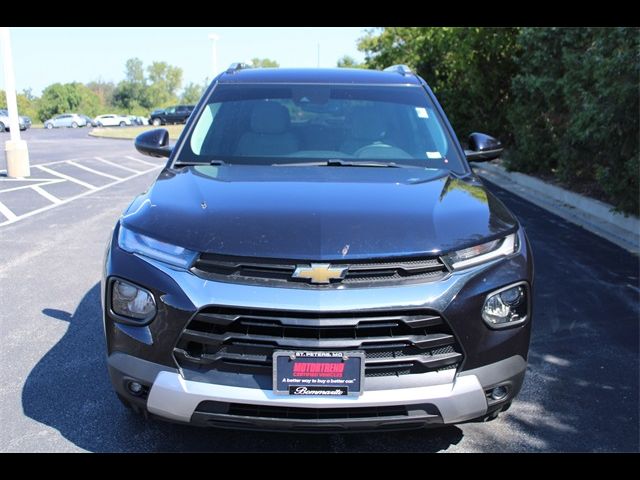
pixel 318 373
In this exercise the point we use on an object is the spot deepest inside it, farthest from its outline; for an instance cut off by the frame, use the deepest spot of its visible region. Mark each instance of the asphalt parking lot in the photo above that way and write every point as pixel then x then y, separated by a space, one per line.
pixel 580 393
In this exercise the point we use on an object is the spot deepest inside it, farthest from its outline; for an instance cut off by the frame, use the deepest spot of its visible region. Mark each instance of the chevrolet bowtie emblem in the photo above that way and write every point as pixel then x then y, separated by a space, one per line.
pixel 319 272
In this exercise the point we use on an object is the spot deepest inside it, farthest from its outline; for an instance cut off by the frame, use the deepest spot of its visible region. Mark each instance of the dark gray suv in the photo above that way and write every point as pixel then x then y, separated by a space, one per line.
pixel 318 255
pixel 177 114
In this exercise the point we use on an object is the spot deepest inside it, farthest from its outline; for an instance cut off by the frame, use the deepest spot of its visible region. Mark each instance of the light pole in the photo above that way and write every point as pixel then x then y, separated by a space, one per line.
pixel 214 52
pixel 16 151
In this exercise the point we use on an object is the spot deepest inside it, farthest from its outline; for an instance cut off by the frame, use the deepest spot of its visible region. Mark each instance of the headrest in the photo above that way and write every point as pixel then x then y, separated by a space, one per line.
pixel 269 117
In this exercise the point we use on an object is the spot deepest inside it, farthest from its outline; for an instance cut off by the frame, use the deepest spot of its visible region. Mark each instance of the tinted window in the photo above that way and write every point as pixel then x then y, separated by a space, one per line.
pixel 289 123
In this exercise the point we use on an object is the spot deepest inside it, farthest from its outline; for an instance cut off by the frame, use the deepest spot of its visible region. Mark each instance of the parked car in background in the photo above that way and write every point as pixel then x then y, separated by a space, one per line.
pixel 90 122
pixel 72 120
pixel 177 114
pixel 112 120
pixel 23 122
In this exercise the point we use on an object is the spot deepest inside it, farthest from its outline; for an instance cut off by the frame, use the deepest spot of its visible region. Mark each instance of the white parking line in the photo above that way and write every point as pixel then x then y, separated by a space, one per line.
pixel 66 177
pixel 116 165
pixel 141 161
pixel 112 177
pixel 45 194
pixel 48 181
pixel 4 210
pixel 29 179
pixel 12 218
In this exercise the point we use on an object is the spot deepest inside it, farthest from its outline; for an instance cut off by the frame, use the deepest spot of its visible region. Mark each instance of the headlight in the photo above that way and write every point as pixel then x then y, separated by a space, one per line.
pixel 132 301
pixel 483 252
pixel 133 242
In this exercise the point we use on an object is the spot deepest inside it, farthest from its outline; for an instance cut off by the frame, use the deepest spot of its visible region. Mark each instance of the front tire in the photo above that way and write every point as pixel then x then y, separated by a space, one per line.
pixel 48 126
pixel 74 125
pixel 122 124
pixel 156 122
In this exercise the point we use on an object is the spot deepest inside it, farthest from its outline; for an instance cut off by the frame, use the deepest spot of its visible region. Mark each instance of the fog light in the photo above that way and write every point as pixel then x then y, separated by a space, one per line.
pixel 134 388
pixel 132 301
pixel 499 393
pixel 506 307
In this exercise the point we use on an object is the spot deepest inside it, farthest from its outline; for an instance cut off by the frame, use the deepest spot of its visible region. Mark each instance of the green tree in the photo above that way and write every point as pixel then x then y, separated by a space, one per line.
pixel 104 91
pixel 164 82
pixel 192 93
pixel 134 71
pixel 575 109
pixel 264 63
pixel 27 103
pixel 347 61
pixel 131 94
pixel 469 69
pixel 67 97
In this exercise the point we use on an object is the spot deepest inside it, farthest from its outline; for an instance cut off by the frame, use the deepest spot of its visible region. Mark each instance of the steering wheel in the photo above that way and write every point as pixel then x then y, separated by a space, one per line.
pixel 381 150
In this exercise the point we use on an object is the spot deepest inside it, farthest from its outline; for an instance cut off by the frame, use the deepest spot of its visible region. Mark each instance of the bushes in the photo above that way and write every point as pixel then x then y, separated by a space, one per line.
pixel 575 109
pixel 469 69
pixel 564 100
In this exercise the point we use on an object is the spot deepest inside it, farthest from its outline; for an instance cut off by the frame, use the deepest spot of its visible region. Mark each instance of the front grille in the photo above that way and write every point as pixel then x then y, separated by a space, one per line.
pixel 258 271
pixel 243 340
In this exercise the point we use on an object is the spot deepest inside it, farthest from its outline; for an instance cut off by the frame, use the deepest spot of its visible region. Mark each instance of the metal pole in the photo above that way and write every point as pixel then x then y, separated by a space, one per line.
pixel 214 52
pixel 15 149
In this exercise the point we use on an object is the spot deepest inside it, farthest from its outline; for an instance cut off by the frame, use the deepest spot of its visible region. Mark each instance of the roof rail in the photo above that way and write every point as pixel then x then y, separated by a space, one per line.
pixel 401 69
pixel 234 67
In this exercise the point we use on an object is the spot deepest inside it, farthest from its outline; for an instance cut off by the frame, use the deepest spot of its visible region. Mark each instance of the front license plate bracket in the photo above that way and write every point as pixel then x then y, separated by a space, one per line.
pixel 318 373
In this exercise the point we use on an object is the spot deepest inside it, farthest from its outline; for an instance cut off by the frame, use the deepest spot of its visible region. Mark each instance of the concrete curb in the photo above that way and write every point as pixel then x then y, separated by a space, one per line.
pixel 591 214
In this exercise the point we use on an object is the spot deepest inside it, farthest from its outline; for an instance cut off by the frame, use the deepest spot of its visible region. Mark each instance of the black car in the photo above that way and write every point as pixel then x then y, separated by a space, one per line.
pixel 177 114
pixel 318 255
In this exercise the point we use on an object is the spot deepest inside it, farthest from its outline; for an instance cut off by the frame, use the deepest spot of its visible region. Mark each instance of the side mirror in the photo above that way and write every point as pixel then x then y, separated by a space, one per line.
pixel 483 148
pixel 154 143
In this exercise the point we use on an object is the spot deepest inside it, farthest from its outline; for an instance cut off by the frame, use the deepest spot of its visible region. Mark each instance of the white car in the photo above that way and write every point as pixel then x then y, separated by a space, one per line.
pixel 72 120
pixel 111 120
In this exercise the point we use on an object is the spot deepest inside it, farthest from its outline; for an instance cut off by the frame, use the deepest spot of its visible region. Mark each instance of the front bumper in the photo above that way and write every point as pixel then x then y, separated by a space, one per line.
pixel 172 397
pixel 144 354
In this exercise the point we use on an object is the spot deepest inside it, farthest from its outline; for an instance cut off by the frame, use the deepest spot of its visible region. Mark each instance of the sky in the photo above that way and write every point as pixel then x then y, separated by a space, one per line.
pixel 43 56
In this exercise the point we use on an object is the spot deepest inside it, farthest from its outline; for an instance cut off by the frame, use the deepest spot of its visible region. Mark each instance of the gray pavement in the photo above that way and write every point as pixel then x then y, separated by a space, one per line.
pixel 580 393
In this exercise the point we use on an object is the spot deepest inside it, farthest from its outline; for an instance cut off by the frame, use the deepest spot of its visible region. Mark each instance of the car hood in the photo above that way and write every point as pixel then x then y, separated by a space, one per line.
pixel 318 213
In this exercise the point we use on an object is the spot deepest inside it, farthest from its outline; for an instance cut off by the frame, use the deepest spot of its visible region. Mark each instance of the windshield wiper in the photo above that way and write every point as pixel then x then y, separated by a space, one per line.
pixel 189 164
pixel 336 162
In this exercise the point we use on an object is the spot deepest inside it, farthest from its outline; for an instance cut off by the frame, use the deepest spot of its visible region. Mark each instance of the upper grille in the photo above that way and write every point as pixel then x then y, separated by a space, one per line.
pixel 243 340
pixel 249 270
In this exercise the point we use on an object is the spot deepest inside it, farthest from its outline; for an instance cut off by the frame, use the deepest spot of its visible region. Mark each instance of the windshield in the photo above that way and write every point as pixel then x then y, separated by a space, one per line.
pixel 297 124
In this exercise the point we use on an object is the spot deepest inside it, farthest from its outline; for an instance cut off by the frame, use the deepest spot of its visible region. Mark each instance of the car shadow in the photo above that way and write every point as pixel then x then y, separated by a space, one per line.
pixel 69 390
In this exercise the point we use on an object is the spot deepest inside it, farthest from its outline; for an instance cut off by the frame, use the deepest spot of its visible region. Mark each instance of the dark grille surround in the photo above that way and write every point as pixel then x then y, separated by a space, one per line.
pixel 395 343
pixel 274 272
